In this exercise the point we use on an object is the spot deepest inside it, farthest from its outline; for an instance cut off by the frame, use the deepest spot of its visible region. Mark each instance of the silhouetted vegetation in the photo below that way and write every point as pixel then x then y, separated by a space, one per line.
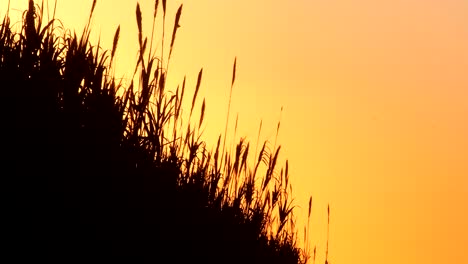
pixel 122 174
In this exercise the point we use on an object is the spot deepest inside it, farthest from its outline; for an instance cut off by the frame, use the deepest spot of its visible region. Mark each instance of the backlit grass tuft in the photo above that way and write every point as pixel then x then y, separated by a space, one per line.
pixel 124 174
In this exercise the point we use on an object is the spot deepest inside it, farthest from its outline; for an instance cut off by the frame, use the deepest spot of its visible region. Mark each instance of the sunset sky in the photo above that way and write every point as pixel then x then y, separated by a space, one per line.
pixel 375 107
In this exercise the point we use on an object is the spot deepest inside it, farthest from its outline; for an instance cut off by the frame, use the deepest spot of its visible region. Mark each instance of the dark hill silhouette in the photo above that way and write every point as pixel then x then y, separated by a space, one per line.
pixel 115 174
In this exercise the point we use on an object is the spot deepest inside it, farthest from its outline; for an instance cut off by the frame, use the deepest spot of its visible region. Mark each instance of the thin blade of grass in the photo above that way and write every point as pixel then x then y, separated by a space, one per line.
pixel 328 233
pixel 202 114
pixel 156 4
pixel 164 7
pixel 139 18
pixel 310 207
pixel 176 26
pixel 92 7
pixel 200 74
pixel 234 71
pixel 116 40
pixel 229 104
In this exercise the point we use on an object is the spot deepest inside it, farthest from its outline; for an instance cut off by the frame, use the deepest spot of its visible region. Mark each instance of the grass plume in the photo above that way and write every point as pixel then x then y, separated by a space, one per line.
pixel 125 175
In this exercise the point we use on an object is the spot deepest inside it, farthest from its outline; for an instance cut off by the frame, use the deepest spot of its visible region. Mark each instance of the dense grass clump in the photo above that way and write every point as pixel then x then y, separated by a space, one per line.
pixel 121 173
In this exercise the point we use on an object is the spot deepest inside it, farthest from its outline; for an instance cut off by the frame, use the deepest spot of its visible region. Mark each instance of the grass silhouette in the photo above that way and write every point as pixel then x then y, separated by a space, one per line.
pixel 121 172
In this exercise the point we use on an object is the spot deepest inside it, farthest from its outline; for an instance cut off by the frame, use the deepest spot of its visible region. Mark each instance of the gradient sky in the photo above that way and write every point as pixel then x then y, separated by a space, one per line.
pixel 375 107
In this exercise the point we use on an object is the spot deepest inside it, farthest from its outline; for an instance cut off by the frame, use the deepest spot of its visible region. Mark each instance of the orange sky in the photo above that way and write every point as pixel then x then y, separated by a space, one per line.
pixel 375 108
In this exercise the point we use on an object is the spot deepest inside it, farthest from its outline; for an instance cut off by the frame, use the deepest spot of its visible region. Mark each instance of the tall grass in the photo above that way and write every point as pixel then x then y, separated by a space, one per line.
pixel 126 175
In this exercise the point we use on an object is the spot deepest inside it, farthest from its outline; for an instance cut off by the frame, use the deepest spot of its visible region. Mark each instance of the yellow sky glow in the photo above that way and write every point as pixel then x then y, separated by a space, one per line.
pixel 375 108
